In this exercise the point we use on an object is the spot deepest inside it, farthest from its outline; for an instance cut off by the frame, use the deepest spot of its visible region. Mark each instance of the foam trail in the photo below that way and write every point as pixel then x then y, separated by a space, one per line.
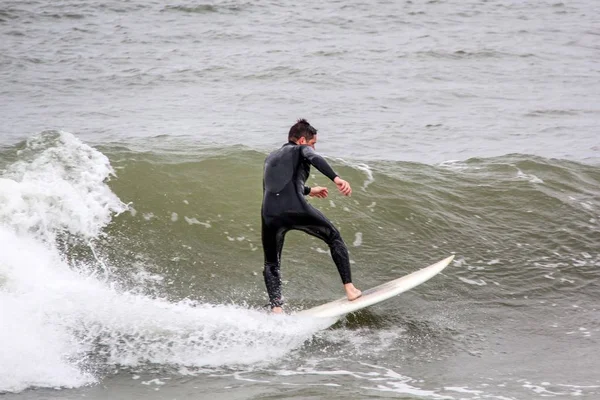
pixel 66 322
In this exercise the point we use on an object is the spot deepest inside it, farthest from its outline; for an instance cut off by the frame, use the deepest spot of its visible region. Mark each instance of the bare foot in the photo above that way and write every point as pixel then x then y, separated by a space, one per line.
pixel 277 310
pixel 352 293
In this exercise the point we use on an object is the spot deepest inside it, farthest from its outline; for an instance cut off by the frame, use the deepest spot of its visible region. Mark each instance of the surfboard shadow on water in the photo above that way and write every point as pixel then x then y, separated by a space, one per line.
pixel 362 319
pixel 411 325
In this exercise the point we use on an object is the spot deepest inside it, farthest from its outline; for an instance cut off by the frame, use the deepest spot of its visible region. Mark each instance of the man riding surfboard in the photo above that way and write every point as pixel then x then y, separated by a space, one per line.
pixel 284 208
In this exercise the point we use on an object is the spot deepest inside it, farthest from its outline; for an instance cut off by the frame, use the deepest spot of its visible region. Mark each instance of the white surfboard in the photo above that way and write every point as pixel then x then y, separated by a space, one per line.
pixel 377 294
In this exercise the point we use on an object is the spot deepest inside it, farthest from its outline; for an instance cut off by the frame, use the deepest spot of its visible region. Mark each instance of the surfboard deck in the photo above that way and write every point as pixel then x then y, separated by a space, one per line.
pixel 377 294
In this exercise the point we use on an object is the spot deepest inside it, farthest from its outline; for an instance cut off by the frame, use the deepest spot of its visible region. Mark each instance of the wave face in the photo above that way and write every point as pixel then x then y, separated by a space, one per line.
pixel 127 257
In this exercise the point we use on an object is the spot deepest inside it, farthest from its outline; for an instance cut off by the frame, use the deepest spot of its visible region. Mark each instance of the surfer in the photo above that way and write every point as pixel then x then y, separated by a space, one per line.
pixel 284 208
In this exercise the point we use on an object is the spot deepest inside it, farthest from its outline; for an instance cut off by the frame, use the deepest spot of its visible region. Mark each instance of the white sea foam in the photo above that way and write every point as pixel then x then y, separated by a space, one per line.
pixel 194 221
pixel 478 282
pixel 60 322
pixel 367 170
pixel 57 185
pixel 148 216
pixel 456 165
pixel 528 177
pixel 364 168
pixel 357 239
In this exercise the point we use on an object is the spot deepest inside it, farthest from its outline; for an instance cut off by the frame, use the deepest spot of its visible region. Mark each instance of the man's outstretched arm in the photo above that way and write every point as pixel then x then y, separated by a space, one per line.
pixel 323 166
pixel 318 162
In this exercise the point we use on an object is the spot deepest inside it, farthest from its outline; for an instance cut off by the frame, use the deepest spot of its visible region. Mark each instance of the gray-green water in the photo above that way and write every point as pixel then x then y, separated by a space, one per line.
pixel 465 127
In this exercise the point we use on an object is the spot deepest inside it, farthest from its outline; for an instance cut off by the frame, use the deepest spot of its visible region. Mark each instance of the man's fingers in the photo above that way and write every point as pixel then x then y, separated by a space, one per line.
pixel 320 192
pixel 344 187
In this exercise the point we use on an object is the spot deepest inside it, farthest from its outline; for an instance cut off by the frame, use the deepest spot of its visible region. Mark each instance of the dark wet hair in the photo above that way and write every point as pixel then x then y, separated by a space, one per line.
pixel 301 129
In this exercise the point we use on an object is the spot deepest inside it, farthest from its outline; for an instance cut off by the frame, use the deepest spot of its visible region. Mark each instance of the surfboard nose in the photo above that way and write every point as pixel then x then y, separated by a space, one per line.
pixel 379 293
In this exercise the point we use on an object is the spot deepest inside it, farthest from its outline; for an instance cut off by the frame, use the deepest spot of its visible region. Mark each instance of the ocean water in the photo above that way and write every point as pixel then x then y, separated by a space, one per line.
pixel 130 186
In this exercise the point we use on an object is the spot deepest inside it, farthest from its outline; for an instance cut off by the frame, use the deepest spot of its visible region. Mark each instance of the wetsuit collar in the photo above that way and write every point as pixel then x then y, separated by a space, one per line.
pixel 294 143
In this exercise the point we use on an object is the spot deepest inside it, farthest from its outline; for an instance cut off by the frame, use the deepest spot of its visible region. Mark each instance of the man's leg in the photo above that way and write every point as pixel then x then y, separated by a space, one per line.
pixel 316 224
pixel 272 240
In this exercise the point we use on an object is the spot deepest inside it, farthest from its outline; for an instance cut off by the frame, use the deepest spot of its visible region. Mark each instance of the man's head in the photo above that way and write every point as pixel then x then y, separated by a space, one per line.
pixel 303 133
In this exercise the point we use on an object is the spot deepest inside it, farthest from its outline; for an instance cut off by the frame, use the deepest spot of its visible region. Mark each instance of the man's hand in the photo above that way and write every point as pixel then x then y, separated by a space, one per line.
pixel 343 186
pixel 318 191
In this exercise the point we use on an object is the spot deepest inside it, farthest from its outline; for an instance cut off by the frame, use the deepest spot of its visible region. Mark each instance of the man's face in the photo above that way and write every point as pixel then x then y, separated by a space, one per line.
pixel 310 142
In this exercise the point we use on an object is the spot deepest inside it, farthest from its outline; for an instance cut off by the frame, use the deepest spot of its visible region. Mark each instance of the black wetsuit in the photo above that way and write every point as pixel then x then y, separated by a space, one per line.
pixel 284 208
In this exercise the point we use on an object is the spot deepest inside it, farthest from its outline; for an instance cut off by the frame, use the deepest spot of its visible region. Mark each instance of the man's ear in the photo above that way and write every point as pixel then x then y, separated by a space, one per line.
pixel 302 140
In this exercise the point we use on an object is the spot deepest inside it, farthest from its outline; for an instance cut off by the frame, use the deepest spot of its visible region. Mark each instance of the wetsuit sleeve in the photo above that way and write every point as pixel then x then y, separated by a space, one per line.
pixel 318 162
pixel 306 190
